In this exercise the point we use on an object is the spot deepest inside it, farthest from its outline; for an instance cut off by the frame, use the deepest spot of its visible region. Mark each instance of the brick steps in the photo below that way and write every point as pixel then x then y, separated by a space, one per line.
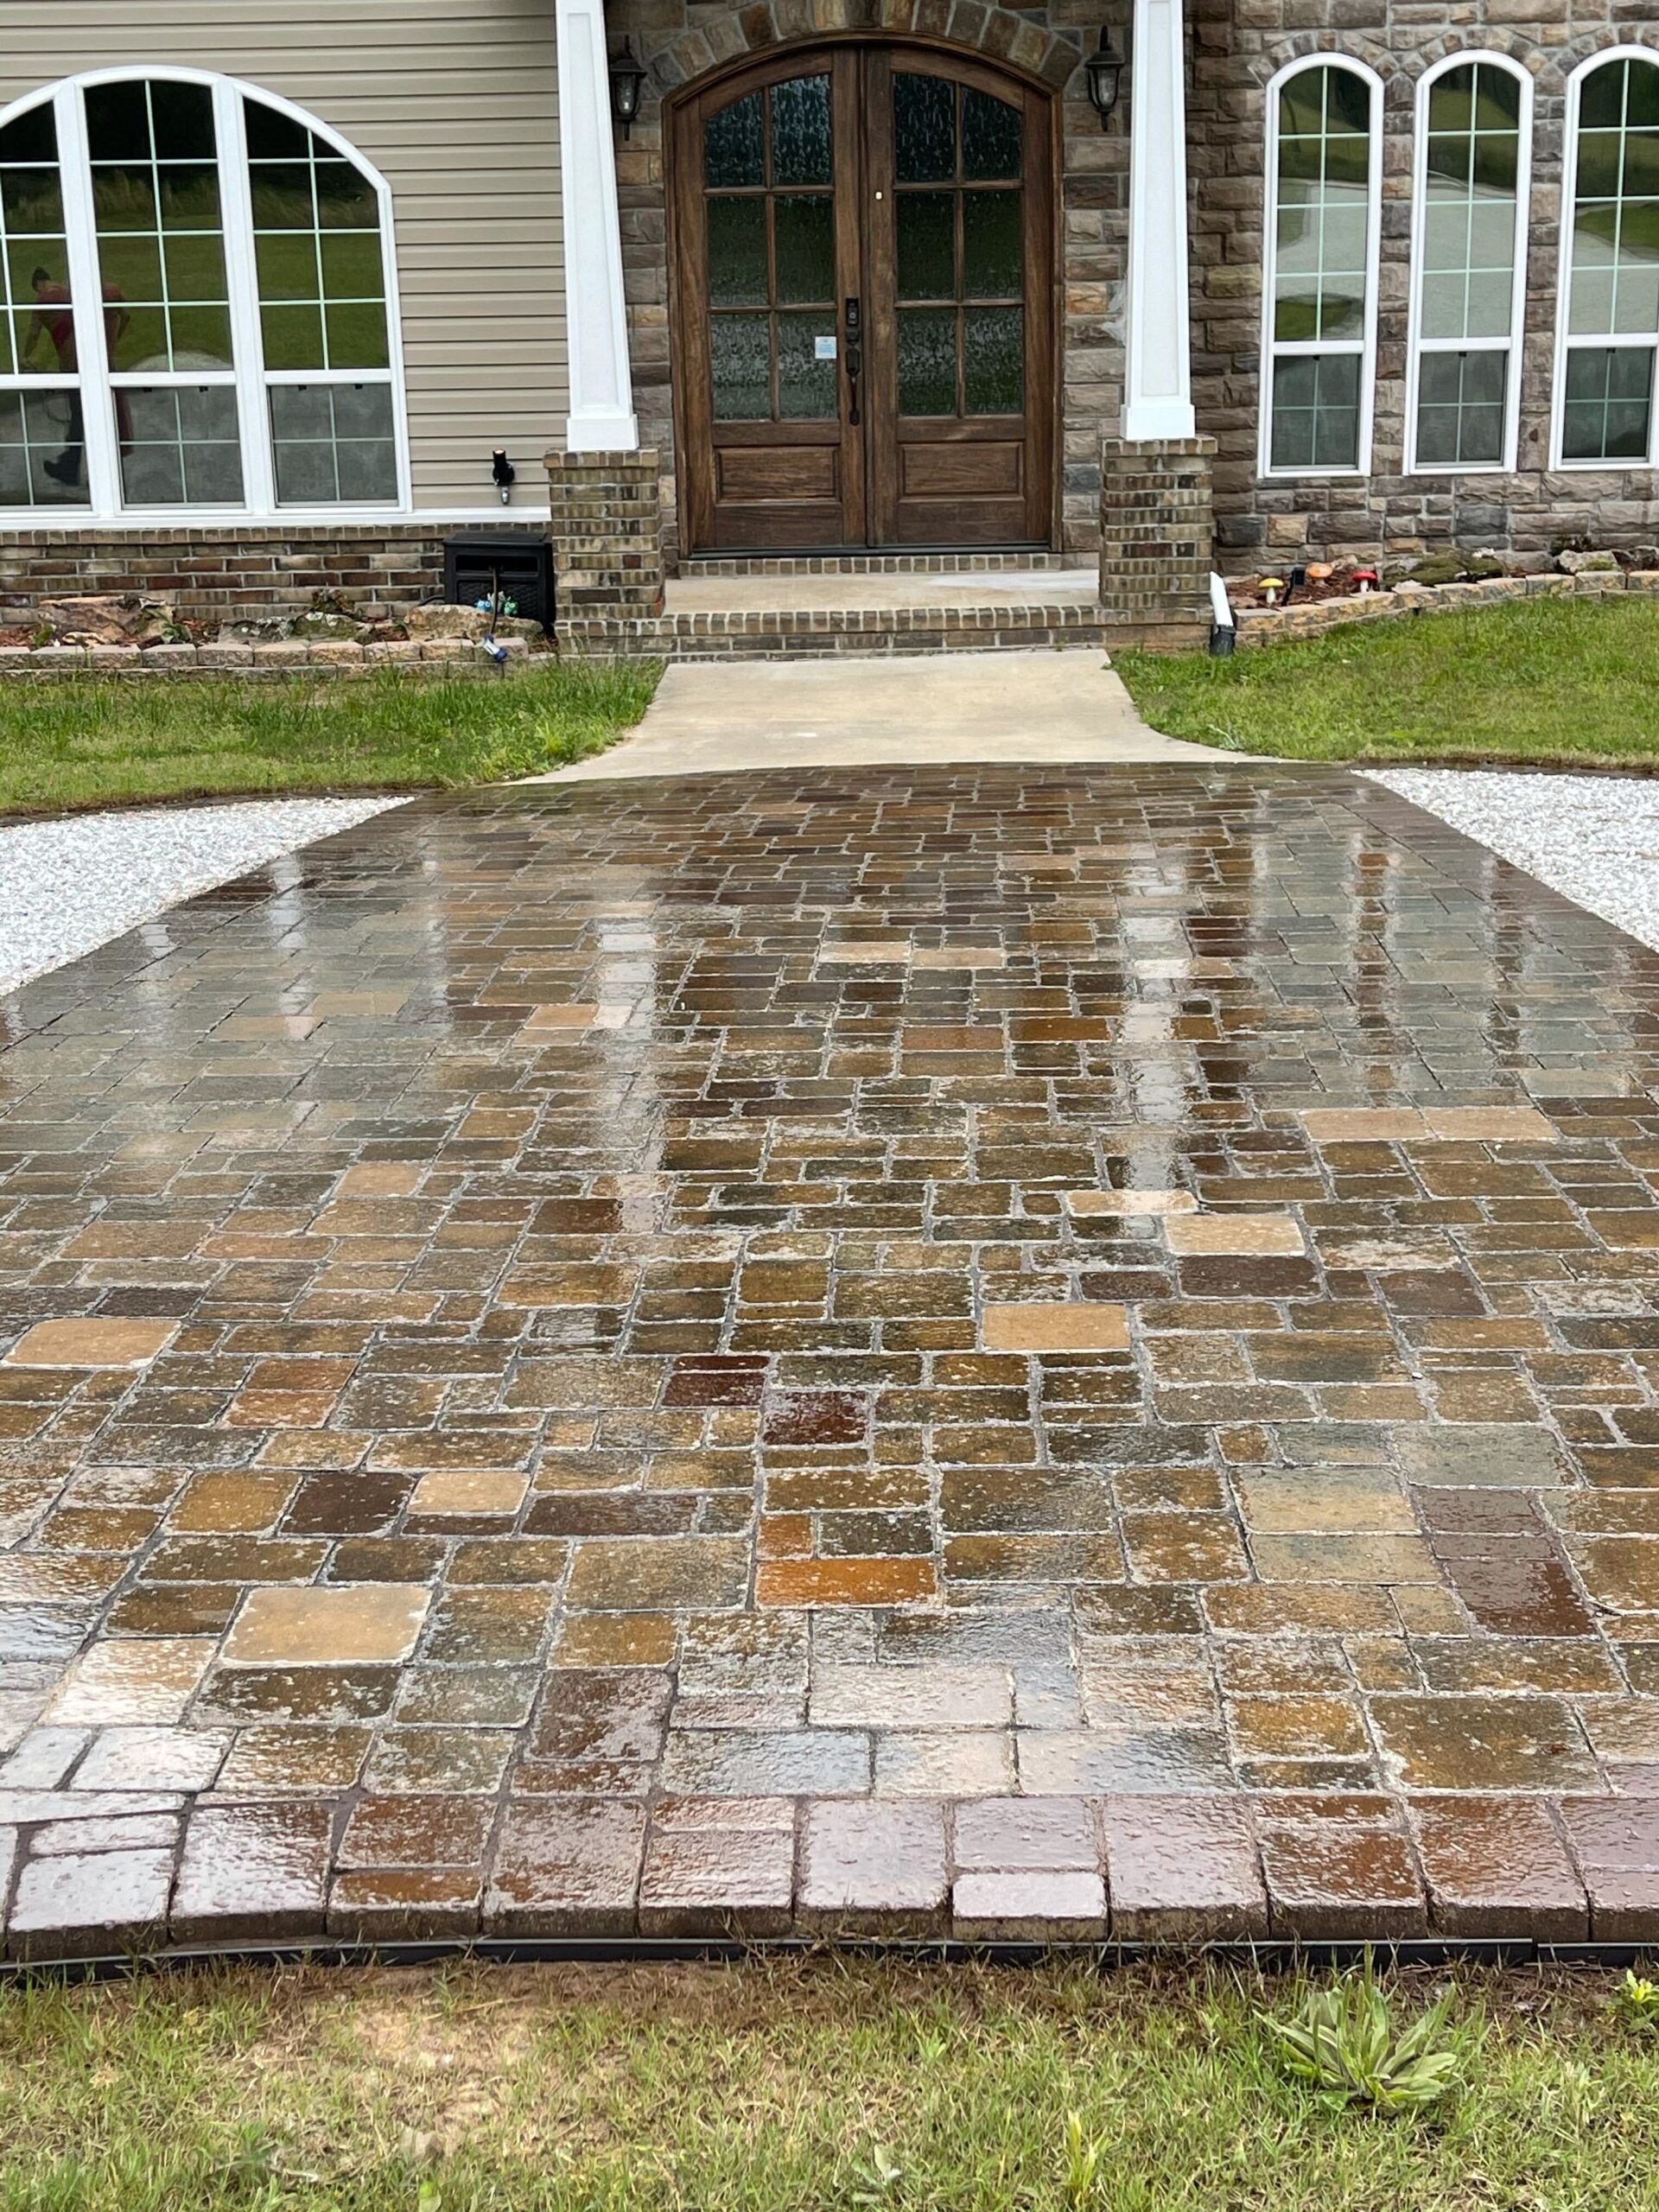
pixel 780 633
pixel 875 565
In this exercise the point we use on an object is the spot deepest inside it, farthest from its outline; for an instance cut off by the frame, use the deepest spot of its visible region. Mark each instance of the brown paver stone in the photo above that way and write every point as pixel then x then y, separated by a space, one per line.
pixel 635 1345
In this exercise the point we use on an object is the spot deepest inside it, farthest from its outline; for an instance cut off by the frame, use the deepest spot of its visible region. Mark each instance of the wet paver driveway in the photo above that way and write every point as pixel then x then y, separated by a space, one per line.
pixel 983 1349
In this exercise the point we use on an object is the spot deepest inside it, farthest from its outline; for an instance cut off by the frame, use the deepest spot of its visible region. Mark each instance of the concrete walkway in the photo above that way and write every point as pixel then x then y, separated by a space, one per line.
pixel 1032 708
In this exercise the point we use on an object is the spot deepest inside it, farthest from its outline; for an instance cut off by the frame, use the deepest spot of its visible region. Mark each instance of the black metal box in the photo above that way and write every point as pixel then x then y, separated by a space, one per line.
pixel 521 568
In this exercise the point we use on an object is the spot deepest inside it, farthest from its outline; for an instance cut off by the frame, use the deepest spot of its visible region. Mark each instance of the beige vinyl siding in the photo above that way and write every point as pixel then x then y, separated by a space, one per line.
pixel 456 102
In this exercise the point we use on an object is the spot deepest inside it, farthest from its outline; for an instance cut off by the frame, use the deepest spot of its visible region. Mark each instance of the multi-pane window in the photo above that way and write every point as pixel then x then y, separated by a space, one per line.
pixel 1465 309
pixel 1612 267
pixel 323 313
pixel 1321 257
pixel 40 435
pixel 196 307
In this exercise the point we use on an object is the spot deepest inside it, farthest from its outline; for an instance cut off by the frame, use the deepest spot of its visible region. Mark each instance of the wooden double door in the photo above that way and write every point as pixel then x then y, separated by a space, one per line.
pixel 863 303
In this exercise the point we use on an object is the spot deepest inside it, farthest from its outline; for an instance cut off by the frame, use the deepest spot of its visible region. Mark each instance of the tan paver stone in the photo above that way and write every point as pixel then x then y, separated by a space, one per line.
pixel 1490 1125
pixel 319 1626
pixel 391 1179
pixel 476 1490
pixel 94 1342
pixel 1269 1235
pixel 1087 1204
pixel 1054 1327
pixel 1362 1124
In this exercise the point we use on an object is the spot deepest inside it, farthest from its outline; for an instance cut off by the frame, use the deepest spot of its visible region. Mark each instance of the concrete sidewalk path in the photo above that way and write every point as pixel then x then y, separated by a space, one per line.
pixel 710 717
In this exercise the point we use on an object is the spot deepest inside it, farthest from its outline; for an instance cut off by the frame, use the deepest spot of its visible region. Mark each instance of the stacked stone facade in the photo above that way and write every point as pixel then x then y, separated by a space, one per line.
pixel 1236 47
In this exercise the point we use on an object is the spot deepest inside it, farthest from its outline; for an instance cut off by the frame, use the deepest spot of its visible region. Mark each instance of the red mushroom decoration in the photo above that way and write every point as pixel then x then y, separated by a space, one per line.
pixel 1365 579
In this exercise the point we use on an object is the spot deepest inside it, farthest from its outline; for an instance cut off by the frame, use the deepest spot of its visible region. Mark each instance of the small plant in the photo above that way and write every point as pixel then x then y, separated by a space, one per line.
pixel 877 2176
pixel 1637 2000
pixel 1344 2041
pixel 1083 2156
pixel 43 634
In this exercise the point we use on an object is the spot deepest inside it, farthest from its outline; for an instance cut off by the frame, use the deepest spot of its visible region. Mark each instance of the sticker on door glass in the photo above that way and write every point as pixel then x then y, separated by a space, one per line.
pixel 824 349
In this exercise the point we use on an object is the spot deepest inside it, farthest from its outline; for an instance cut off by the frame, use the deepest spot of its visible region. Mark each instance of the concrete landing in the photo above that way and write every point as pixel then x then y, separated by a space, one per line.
pixel 1038 709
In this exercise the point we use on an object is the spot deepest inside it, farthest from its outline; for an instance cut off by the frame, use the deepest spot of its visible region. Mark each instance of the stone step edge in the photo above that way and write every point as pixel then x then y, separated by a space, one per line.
pixel 883 564
pixel 831 621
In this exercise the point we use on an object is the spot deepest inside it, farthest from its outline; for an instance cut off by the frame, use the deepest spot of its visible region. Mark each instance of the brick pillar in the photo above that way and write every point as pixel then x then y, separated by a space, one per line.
pixel 1156 534
pixel 608 534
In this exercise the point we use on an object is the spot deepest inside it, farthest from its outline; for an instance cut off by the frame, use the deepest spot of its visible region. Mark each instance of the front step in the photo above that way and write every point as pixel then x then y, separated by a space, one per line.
pixel 876 565
pixel 782 634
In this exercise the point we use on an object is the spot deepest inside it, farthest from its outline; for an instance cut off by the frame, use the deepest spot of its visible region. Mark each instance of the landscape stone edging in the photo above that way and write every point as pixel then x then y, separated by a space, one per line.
pixel 1262 625
pixel 289 657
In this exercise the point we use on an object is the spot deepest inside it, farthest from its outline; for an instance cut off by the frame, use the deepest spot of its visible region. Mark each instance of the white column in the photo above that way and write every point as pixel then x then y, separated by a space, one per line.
pixel 601 417
pixel 1157 378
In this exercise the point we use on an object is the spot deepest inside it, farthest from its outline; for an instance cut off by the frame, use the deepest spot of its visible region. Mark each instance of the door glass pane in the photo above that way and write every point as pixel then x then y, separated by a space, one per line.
pixel 734 152
pixel 993 245
pixel 803 242
pixel 927 361
pixel 42 455
pixel 924 128
pixel 37 327
pixel 806 385
pixel 927 245
pixel 178 445
pixel 992 360
pixel 737 252
pixel 993 136
pixel 800 131
pixel 742 363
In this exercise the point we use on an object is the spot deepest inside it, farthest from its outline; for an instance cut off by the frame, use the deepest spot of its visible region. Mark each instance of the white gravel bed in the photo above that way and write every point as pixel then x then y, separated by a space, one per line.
pixel 1595 839
pixel 68 887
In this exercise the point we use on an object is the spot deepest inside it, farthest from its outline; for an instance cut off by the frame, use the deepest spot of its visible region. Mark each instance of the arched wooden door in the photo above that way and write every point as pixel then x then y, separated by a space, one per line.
pixel 863 307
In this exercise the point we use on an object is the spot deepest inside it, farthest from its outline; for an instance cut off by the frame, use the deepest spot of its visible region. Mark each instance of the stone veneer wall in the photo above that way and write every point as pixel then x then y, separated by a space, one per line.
pixel 231 569
pixel 682 40
pixel 1238 47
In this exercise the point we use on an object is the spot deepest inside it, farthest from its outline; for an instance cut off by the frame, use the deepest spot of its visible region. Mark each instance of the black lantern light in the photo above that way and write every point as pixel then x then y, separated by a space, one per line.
pixel 1104 70
pixel 627 78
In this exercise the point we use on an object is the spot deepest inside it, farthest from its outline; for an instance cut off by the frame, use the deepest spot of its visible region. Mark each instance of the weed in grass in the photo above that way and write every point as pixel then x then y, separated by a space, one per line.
pixel 1082 2155
pixel 1637 2000
pixel 1343 2042
pixel 877 2176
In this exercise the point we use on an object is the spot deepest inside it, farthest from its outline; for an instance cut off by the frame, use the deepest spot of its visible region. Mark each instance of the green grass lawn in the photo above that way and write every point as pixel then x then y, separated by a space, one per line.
pixel 76 744
pixel 1549 680
pixel 791 2086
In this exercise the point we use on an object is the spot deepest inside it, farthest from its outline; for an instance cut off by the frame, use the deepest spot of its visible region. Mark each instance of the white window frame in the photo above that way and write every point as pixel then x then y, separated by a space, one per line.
pixel 1564 342
pixel 250 375
pixel 1365 345
pixel 1512 345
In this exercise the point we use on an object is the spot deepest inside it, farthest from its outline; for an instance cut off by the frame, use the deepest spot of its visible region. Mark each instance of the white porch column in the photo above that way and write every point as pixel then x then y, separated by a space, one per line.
pixel 1158 380
pixel 601 417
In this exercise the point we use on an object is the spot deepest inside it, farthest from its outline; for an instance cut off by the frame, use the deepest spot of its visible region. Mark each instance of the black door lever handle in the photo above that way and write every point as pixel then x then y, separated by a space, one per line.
pixel 853 358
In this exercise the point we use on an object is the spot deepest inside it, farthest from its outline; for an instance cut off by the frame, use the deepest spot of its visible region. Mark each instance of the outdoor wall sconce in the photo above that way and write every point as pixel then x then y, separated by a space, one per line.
pixel 627 79
pixel 502 474
pixel 1104 70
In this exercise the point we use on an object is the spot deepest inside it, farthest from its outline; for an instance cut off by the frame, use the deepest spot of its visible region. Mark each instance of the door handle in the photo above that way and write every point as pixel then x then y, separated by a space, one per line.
pixel 852 354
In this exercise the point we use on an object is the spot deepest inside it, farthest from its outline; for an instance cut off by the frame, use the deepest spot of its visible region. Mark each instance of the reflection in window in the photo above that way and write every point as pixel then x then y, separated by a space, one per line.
pixel 1470 257
pixel 1613 273
pixel 1320 261
pixel 239 345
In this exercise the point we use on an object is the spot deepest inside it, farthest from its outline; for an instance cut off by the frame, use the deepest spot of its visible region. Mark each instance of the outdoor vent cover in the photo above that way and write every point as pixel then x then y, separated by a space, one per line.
pixel 521 567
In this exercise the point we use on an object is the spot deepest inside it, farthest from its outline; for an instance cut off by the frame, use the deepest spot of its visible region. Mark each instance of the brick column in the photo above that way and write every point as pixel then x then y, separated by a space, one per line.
pixel 1156 534
pixel 606 530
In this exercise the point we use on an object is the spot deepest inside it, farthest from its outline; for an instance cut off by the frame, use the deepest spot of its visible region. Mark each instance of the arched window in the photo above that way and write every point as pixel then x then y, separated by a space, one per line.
pixel 1320 315
pixel 199 307
pixel 1469 264
pixel 1609 313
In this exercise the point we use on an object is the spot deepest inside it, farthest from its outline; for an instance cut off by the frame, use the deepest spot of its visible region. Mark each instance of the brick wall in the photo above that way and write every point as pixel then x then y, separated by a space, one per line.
pixel 1236 47
pixel 1155 541
pixel 233 571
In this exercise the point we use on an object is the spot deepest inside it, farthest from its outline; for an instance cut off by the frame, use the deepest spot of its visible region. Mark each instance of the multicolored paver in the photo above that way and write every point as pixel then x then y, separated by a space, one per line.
pixel 982 1351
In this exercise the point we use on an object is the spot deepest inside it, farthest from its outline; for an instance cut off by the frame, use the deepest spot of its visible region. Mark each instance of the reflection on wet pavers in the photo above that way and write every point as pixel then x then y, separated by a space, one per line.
pixel 1015 1353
